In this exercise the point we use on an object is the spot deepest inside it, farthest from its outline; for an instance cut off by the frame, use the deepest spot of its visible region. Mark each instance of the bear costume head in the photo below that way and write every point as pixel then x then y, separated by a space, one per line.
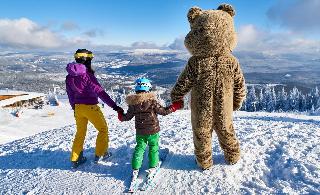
pixel 212 31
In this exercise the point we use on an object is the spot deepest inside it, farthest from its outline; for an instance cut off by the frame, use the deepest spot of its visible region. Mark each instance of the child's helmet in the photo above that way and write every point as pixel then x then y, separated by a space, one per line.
pixel 143 84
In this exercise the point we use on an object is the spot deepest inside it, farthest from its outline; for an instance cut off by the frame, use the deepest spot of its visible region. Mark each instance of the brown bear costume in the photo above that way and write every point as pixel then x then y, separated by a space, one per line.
pixel 216 82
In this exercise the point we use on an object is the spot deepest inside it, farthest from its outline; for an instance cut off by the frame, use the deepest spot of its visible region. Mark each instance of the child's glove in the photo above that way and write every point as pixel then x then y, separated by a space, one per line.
pixel 120 115
pixel 176 105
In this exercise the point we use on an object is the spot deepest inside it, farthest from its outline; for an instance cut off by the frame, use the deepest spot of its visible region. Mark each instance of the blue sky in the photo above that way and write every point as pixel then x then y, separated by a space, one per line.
pixel 151 23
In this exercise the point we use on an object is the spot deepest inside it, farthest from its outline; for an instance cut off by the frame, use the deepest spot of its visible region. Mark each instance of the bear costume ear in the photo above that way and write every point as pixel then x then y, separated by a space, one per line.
pixel 227 8
pixel 193 13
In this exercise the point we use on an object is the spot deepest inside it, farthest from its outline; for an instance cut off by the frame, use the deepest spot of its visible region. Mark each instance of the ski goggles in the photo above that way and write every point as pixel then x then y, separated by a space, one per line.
pixel 85 55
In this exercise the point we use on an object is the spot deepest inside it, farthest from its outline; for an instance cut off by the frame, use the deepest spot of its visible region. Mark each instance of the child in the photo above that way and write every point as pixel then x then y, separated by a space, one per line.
pixel 144 107
pixel 83 91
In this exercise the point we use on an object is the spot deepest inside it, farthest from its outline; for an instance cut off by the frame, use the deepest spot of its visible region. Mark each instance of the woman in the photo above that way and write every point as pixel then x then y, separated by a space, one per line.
pixel 83 91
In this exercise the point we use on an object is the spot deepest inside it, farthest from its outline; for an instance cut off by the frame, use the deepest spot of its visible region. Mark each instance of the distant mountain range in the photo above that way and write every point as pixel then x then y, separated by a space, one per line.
pixel 38 71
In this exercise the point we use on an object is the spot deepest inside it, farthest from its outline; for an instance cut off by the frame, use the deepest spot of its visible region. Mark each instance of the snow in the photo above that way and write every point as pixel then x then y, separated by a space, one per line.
pixel 117 63
pixel 22 96
pixel 33 121
pixel 280 155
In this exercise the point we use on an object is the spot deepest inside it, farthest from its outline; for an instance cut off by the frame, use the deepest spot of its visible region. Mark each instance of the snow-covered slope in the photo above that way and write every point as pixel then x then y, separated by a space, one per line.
pixel 280 154
pixel 33 121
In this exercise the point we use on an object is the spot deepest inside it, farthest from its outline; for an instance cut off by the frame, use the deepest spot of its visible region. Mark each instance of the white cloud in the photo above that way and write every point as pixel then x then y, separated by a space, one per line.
pixel 296 15
pixel 144 45
pixel 178 44
pixel 69 26
pixel 247 35
pixel 24 33
pixel 94 33
pixel 251 38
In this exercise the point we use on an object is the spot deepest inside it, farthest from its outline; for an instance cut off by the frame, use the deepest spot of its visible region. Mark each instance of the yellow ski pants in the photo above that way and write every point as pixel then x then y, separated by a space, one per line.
pixel 92 113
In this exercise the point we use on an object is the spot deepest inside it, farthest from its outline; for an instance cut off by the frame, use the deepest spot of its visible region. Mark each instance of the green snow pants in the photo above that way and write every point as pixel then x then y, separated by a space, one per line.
pixel 142 141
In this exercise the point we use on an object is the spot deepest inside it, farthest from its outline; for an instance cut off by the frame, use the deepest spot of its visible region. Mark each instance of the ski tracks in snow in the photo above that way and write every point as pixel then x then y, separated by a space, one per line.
pixel 40 164
pixel 279 155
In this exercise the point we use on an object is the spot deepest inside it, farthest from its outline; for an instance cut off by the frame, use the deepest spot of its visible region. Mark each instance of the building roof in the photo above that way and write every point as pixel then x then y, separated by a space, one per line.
pixel 8 97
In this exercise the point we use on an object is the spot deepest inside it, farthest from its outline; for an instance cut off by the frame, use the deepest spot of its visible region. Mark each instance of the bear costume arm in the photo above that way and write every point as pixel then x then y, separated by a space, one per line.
pixel 239 92
pixel 184 83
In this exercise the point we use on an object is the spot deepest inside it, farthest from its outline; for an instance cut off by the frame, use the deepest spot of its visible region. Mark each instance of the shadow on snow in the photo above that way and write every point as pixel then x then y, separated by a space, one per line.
pixel 117 167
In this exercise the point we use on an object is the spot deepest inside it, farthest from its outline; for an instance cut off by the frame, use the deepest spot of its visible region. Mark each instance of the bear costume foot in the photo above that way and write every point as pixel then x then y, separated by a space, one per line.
pixel 203 168
pixel 231 160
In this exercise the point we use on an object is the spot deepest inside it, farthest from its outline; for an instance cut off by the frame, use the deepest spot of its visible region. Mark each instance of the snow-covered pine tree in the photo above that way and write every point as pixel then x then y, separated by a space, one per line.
pixel 111 93
pixel 282 103
pixel 315 96
pixel 244 107
pixel 302 103
pixel 294 99
pixel 251 100
pixel 316 93
pixel 262 103
pixel 309 102
pixel 161 100
pixel 274 99
pixel 312 110
pixel 268 99
pixel 317 104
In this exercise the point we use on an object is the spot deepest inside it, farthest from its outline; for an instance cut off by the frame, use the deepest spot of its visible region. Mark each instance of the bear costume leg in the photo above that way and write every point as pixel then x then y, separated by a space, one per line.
pixel 228 142
pixel 202 139
pixel 201 114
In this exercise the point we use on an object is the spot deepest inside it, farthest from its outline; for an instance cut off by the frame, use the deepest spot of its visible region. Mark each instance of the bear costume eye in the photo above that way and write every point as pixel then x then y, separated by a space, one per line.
pixel 193 13
pixel 227 8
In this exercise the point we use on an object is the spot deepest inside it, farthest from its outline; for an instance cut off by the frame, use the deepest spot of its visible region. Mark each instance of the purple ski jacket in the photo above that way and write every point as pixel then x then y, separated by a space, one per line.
pixel 83 87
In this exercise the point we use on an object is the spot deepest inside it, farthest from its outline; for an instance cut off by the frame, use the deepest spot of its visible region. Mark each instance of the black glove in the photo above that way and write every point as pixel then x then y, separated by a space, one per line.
pixel 118 109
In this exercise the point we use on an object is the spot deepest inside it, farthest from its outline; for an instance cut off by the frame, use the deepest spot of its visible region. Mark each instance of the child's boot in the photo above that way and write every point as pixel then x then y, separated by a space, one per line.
pixel 134 181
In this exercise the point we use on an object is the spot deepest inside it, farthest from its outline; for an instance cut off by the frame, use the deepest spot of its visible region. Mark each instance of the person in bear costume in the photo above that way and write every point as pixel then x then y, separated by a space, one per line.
pixel 216 82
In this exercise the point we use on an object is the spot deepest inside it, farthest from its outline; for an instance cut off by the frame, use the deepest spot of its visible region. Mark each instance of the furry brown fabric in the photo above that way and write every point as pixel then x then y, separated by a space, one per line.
pixel 139 98
pixel 144 107
pixel 216 82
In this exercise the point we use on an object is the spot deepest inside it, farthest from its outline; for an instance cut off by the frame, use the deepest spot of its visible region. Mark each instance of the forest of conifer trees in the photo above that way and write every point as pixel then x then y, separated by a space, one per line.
pixel 267 99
